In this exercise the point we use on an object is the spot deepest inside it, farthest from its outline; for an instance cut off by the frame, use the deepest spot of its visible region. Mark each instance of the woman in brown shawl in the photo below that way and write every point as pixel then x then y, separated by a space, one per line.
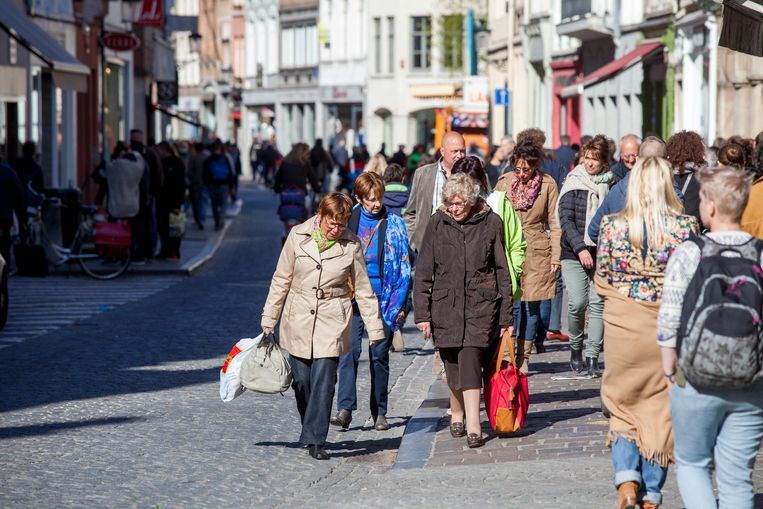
pixel 634 247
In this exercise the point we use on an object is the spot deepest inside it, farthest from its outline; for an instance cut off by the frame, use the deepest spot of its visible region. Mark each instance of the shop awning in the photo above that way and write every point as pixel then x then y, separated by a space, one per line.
pixel 180 117
pixel 68 72
pixel 743 26
pixel 432 90
pixel 629 59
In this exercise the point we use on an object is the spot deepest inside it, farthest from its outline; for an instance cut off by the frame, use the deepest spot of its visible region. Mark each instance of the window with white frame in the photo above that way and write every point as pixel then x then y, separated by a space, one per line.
pixel 421 42
pixel 377 46
pixel 391 44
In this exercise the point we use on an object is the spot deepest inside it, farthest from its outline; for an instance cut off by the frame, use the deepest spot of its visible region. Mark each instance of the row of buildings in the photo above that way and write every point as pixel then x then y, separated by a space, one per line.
pixel 400 72
pixel 78 75
pixel 647 66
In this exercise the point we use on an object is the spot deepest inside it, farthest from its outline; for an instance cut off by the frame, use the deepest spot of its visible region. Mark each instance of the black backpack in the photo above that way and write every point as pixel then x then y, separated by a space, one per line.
pixel 720 339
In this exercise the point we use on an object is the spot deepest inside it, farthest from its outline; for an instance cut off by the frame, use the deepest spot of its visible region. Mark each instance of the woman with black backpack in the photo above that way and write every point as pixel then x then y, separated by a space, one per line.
pixel 709 328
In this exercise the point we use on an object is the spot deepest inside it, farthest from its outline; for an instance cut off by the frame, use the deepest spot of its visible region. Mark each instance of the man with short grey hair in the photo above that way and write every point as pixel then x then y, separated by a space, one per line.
pixel 629 154
pixel 427 185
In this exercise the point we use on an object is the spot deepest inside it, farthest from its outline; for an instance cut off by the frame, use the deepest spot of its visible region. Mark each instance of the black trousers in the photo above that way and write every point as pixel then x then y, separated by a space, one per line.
pixel 313 382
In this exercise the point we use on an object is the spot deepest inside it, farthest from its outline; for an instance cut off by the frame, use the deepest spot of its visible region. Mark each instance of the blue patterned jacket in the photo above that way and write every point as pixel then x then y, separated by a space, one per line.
pixel 394 262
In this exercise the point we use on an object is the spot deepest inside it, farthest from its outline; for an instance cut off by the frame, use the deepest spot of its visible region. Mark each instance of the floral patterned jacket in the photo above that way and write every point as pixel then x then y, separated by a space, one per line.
pixel 638 274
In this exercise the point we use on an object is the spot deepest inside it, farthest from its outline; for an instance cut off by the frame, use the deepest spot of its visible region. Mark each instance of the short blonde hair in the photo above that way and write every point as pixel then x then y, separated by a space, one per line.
pixel 461 185
pixel 727 187
pixel 336 206
pixel 377 164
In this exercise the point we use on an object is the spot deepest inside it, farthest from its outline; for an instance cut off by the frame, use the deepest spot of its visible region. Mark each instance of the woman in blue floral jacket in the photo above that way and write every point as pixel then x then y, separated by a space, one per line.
pixel 385 247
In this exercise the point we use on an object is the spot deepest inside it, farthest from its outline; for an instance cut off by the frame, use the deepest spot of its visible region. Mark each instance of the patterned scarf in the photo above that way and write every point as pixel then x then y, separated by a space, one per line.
pixel 523 195
pixel 320 239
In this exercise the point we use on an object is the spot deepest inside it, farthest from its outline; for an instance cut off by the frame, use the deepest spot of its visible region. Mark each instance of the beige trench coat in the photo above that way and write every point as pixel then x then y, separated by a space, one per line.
pixel 309 293
pixel 538 282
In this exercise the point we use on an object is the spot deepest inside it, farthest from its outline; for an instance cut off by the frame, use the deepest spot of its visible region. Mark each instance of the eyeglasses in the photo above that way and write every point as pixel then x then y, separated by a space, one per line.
pixel 455 204
pixel 335 226
pixel 629 157
pixel 523 169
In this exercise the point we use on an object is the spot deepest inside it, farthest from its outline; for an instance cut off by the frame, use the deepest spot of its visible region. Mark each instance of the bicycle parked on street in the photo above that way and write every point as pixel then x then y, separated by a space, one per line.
pixel 101 248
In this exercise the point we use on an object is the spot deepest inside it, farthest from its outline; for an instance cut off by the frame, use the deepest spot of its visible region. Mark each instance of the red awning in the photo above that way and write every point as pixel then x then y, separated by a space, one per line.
pixel 614 67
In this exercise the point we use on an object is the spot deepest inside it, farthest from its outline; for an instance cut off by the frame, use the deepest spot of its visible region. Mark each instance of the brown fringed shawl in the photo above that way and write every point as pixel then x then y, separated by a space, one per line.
pixel 634 388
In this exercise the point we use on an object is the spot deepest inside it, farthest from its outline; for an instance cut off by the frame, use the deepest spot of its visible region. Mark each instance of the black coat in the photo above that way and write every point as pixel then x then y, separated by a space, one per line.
pixel 462 283
pixel 173 190
pixel 295 175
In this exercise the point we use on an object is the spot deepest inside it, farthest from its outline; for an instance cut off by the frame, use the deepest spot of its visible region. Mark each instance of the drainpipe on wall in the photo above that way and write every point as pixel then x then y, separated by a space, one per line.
pixel 668 100
pixel 471 50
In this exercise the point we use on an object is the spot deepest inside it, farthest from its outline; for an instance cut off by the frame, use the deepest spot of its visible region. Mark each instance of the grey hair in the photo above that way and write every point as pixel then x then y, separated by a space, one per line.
pixel 461 185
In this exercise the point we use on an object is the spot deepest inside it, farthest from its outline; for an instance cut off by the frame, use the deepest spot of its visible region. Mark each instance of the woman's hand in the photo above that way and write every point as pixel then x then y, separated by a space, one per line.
pixel 509 329
pixel 554 268
pixel 425 328
pixel 267 331
pixel 400 318
pixel 585 259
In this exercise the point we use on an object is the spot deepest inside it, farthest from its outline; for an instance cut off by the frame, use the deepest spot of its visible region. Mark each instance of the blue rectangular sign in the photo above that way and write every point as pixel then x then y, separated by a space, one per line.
pixel 501 96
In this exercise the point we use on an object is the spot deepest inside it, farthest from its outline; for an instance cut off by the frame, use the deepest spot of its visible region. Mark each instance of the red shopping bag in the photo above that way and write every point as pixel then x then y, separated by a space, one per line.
pixel 506 394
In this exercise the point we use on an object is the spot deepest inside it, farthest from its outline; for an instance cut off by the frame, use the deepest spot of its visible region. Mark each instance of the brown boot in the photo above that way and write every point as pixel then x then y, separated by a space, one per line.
pixel 627 495
pixel 648 505
pixel 527 348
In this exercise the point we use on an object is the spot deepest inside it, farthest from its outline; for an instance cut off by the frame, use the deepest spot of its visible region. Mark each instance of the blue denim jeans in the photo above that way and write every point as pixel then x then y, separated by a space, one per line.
pixel 378 354
pixel 551 309
pixel 313 381
pixel 530 326
pixel 721 428
pixel 629 465
pixel 199 197
pixel 218 195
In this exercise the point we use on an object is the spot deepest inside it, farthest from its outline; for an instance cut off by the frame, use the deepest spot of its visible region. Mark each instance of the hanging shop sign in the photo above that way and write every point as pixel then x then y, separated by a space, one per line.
pixel 119 41
pixel 151 13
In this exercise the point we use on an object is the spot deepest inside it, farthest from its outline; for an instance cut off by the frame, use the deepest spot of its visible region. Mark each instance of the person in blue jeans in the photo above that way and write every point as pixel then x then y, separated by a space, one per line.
pixel 712 428
pixel 385 248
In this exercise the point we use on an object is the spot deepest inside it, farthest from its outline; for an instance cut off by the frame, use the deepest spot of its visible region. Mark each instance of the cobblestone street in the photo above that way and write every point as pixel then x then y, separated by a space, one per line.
pixel 121 409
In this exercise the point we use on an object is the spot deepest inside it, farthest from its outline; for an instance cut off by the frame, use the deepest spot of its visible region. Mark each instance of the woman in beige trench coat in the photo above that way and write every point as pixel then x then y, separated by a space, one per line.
pixel 533 195
pixel 309 292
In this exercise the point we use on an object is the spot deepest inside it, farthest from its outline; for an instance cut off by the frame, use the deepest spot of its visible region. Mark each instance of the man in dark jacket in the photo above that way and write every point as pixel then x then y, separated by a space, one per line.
pixel 218 176
pixel 565 155
pixel 321 163
pixel 29 172
pixel 629 145
pixel 400 156
pixel 12 199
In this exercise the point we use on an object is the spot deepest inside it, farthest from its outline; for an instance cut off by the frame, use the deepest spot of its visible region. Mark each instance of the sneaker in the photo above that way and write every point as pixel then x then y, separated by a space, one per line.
pixel 557 335
pixel 140 261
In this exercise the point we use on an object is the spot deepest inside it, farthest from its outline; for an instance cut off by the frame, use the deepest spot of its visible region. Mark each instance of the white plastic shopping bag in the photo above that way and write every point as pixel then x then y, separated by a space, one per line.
pixel 230 374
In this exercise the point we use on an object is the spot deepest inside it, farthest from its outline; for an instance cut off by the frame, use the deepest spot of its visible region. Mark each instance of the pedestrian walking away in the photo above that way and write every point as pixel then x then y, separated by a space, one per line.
pixel 309 293
pixel 633 251
pixel 385 249
pixel 170 200
pixel 533 195
pixel 218 176
pixel 463 242
pixel 716 392
pixel 583 190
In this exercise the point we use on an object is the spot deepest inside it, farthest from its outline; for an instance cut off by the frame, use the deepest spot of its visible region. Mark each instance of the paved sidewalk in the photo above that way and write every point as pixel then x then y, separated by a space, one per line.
pixel 196 248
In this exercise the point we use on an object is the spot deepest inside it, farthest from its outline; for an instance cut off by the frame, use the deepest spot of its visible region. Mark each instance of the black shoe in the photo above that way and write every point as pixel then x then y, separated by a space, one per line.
pixel 381 424
pixel 474 440
pixel 592 365
pixel 576 361
pixel 318 452
pixel 457 429
pixel 343 418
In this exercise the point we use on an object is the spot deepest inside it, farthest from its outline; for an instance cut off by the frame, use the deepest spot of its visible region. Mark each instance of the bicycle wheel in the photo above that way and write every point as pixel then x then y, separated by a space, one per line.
pixel 98 261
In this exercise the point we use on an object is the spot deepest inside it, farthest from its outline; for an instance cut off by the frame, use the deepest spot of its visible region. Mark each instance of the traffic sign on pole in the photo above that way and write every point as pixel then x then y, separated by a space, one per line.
pixel 501 97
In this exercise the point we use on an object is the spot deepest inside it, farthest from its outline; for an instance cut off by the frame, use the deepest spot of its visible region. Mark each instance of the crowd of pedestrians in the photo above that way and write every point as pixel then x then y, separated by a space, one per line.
pixel 150 185
pixel 632 233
